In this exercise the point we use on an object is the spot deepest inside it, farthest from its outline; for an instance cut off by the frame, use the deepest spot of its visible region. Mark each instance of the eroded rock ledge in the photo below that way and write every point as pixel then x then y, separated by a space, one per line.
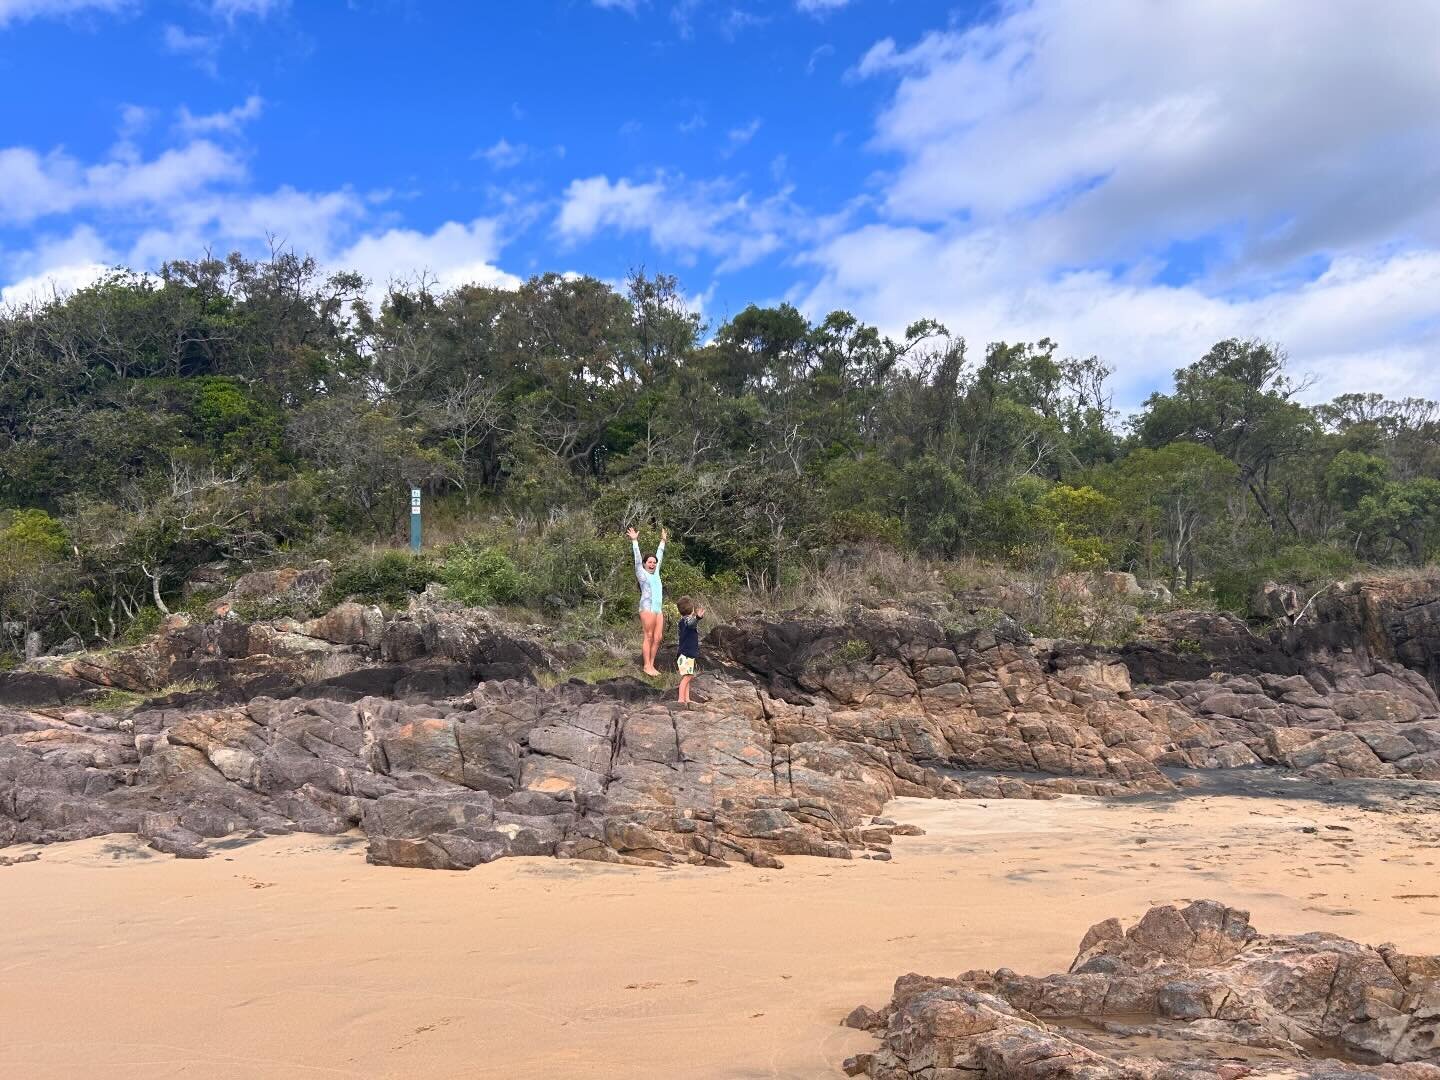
pixel 1184 994
pixel 429 731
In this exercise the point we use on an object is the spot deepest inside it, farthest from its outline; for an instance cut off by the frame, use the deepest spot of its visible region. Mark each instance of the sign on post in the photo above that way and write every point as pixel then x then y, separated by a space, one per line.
pixel 415 519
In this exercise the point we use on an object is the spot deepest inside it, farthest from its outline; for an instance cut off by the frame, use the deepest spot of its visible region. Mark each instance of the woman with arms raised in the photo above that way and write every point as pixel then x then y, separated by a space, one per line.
pixel 652 614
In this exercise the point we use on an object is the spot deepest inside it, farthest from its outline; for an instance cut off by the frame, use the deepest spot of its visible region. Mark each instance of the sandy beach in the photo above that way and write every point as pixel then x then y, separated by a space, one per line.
pixel 294 957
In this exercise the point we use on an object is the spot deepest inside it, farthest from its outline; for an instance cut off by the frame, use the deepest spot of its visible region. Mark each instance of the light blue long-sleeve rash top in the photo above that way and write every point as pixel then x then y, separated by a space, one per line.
pixel 651 592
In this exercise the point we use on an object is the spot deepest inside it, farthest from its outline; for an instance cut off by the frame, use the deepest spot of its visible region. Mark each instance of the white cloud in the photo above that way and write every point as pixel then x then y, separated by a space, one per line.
pixel 682 219
pixel 201 48
pixel 315 223
pixel 1140 119
pixel 816 55
pixel 1361 325
pixel 230 10
pixel 54 281
pixel 54 266
pixel 452 255
pixel 133 120
pixel 33 185
pixel 503 154
pixel 628 6
pixel 192 199
pixel 1049 161
pixel 819 7
pixel 227 122
pixel 21 10
pixel 738 137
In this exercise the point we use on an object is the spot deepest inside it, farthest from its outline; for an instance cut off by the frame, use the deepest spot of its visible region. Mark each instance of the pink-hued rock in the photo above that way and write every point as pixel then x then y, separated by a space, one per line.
pixel 1185 993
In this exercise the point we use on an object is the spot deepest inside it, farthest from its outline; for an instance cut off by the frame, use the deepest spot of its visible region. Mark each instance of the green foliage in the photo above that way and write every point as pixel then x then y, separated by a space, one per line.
pixel 387 578
pixel 114 701
pixel 596 666
pixel 35 529
pixel 864 527
pixel 477 575
pixel 940 506
pixel 235 425
pixel 852 652
pixel 981 618
pixel 235 409
pixel 1406 512
pixel 1107 619
pixel 1351 476
pixel 1305 565
pixel 281 606
pixel 1085 524
pixel 142 626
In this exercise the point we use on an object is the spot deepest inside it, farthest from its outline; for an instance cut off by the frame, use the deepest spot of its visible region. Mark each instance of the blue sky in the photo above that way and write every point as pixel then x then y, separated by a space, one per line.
pixel 1133 179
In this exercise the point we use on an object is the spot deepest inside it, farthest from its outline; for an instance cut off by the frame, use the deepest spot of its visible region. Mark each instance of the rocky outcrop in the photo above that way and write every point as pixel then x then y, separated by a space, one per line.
pixel 1184 993
pixel 429 730
pixel 602 772
pixel 434 648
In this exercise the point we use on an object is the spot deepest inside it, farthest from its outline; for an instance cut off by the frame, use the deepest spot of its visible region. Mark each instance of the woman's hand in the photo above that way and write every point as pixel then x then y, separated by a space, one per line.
pixel 631 533
pixel 664 535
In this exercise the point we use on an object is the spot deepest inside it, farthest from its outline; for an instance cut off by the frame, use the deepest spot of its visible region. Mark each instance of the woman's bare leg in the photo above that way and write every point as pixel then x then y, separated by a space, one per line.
pixel 647 621
pixel 650 645
pixel 655 644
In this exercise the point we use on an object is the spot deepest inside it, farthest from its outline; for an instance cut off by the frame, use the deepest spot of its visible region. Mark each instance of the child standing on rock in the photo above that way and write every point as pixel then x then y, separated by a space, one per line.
pixel 690 617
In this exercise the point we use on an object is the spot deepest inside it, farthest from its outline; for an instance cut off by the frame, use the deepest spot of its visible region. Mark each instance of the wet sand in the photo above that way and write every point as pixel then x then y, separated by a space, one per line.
pixel 292 957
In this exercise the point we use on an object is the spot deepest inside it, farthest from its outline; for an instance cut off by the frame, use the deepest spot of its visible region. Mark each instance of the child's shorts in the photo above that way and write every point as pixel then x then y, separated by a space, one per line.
pixel 685 665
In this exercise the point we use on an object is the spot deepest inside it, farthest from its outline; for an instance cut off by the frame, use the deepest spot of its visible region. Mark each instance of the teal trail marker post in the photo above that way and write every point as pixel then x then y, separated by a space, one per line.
pixel 414 519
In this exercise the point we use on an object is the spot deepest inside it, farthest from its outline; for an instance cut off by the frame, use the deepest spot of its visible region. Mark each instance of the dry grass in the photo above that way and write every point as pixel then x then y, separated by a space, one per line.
pixel 1428 572
pixel 878 576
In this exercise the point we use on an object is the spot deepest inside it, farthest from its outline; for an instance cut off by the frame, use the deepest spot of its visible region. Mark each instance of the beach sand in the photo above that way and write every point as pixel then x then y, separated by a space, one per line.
pixel 292 957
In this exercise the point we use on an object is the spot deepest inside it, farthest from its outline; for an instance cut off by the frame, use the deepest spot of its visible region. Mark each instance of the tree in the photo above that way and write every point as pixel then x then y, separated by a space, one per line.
pixel 1407 512
pixel 1176 492
pixel 1238 401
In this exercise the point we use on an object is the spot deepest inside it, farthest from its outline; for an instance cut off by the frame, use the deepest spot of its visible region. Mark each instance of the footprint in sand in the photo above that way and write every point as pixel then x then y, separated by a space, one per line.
pixel 444 1021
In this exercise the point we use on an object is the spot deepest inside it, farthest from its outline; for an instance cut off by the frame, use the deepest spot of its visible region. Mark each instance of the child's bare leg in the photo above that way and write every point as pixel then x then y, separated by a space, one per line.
pixel 685 689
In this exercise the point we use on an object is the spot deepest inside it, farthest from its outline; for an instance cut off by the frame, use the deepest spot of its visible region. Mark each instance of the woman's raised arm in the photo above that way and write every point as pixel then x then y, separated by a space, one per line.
pixel 635 547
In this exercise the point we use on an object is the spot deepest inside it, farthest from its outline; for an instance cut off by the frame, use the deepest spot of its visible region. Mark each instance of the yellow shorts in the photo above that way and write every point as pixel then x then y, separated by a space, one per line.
pixel 685 665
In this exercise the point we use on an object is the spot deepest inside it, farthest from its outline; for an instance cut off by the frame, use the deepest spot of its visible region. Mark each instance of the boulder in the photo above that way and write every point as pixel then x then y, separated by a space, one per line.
pixel 1171 998
pixel 1114 583
pixel 289 581
pixel 348 624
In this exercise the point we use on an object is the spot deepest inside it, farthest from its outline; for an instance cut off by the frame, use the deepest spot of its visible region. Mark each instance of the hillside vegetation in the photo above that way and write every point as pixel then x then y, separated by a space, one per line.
pixel 243 411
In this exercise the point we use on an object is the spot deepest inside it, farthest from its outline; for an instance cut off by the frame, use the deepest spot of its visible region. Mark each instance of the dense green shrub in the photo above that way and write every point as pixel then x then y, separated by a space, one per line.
pixel 386 577
pixel 864 527
pixel 1305 565
pixel 35 529
pixel 478 575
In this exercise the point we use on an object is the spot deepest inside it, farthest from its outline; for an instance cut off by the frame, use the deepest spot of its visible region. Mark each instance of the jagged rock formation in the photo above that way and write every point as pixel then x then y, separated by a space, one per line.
pixel 1183 994
pixel 429 731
